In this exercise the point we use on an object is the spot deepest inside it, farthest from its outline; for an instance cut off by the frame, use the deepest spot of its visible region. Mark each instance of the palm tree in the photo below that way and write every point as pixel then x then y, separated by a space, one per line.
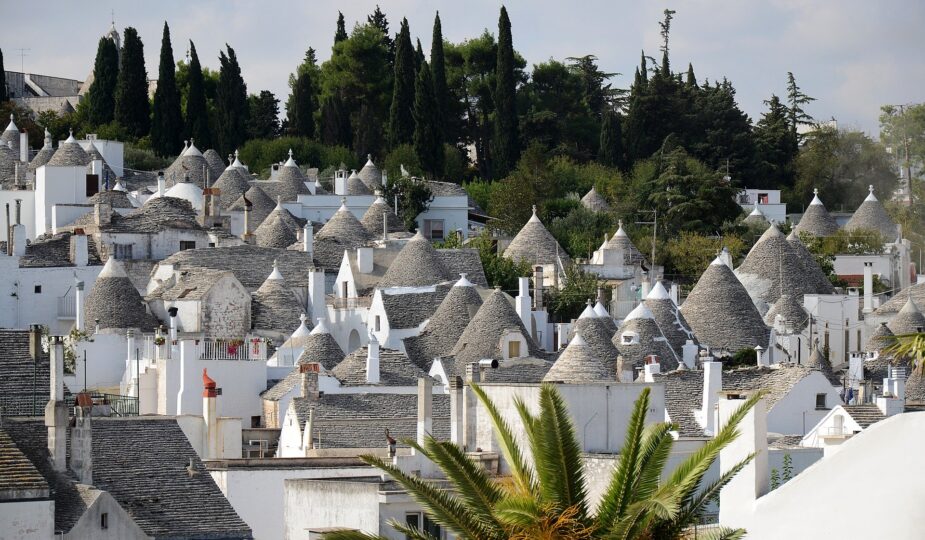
pixel 547 498
pixel 911 346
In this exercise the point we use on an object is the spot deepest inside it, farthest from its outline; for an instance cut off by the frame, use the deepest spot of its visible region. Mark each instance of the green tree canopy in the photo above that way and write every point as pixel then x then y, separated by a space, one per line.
pixel 132 110
pixel 401 118
pixel 341 33
pixel 231 103
pixel 301 107
pixel 428 143
pixel 101 98
pixel 438 73
pixel 507 133
pixel 4 93
pixel 197 112
pixel 264 115
pixel 166 123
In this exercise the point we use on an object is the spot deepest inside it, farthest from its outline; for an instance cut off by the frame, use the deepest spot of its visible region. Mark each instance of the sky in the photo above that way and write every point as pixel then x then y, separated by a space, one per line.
pixel 851 55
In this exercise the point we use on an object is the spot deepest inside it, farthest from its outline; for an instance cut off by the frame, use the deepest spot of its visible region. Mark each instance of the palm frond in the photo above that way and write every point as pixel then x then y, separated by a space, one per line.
pixel 518 511
pixel 443 507
pixel 654 451
pixel 722 533
pixel 413 533
pixel 618 495
pixel 557 454
pixel 907 346
pixel 638 515
pixel 351 535
pixel 470 481
pixel 523 477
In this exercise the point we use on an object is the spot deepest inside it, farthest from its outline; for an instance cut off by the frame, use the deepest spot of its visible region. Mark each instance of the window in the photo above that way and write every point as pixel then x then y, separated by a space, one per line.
pixel 38 289
pixel 104 520
pixel 122 251
pixel 433 229
pixel 762 198
pixel 187 244
pixel 820 401
pixel 423 523
pixel 93 184
pixel 513 349
pixel 378 323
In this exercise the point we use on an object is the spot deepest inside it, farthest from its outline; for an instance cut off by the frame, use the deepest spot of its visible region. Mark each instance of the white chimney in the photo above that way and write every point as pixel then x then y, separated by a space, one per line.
pixel 372 361
pixel 726 257
pixel 712 386
pixel 675 294
pixel 161 184
pixel 96 167
pixel 340 182
pixel 308 238
pixel 538 288
pixel 82 440
pixel 23 147
pixel 19 240
pixel 652 367
pixel 738 497
pixel 856 369
pixel 645 286
pixel 213 435
pixel 868 287
pixel 689 354
pixel 79 305
pixel 524 301
pixel 55 411
pixel 316 293
pixel 563 329
pixel 761 356
pixel 425 408
pixel 365 260
pixel 81 254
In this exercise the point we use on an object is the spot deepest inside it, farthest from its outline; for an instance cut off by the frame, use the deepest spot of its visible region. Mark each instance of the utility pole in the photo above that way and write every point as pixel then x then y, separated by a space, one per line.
pixel 654 224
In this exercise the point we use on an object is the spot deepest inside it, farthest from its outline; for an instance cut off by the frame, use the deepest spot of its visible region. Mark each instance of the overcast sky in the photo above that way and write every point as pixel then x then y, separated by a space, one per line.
pixel 852 55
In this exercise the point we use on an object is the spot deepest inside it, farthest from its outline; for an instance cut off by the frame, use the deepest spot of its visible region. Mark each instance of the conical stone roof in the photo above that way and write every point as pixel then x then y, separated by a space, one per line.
pixel 871 215
pixel 578 364
pixel 640 336
pixel 372 219
pixel 416 265
pixel 370 175
pixel 187 191
pixel 446 325
pixel 115 302
pixel 909 320
pixel 621 240
pixel 261 206
pixel 44 155
pixel 669 319
pixel 7 165
pixel 11 135
pixel 215 162
pixel 482 336
pixel 355 186
pixel 189 164
pixel 790 309
pixel 816 220
pixel 880 338
pixel 69 154
pixel 292 180
pixel 321 347
pixel 231 185
pixel 274 306
pixel 915 385
pixel 721 313
pixel 300 336
pixel 594 201
pixel 536 245
pixel 278 230
pixel 812 273
pixel 344 226
pixel 598 335
pixel 756 217
pixel 819 362
pixel 772 267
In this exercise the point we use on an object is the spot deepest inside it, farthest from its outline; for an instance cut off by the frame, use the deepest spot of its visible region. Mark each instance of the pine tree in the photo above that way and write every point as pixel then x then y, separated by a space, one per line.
pixel 507 140
pixel 438 74
pixel 263 112
pixel 427 144
pixel 4 93
pixel 301 109
pixel 401 119
pixel 367 138
pixel 132 110
pixel 101 98
pixel 341 33
pixel 796 100
pixel 231 103
pixel 166 123
pixel 379 20
pixel 197 114
pixel 335 122
pixel 665 26
pixel 775 146
pixel 611 146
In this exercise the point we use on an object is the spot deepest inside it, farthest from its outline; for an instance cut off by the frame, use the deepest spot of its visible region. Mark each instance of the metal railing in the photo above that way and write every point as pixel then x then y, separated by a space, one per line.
pixel 117 405
pixel 230 349
pixel 67 307
pixel 348 303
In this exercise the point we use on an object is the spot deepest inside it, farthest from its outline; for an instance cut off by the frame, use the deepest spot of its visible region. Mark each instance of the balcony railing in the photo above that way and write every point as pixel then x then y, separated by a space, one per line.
pixel 349 303
pixel 67 307
pixel 109 404
pixel 233 349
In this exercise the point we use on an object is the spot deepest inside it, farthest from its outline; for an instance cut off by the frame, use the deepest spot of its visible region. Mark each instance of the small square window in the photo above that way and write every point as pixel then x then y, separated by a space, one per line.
pixel 378 324
pixel 513 349
pixel 104 520
pixel 821 401
pixel 187 244
pixel 38 289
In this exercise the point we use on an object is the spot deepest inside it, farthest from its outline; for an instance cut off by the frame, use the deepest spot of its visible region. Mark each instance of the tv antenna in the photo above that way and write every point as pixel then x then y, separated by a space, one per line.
pixel 22 55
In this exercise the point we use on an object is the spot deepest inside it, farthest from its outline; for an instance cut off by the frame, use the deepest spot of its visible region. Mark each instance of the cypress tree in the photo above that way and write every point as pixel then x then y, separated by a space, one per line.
pixel 4 93
pixel 197 115
pixel 401 119
pixel 132 111
pixel 301 111
pixel 263 115
pixel 231 103
pixel 101 98
pixel 418 56
pixel 691 82
pixel 167 123
pixel 335 122
pixel 438 74
pixel 507 144
pixel 341 33
pixel 611 145
pixel 367 138
pixel 427 143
